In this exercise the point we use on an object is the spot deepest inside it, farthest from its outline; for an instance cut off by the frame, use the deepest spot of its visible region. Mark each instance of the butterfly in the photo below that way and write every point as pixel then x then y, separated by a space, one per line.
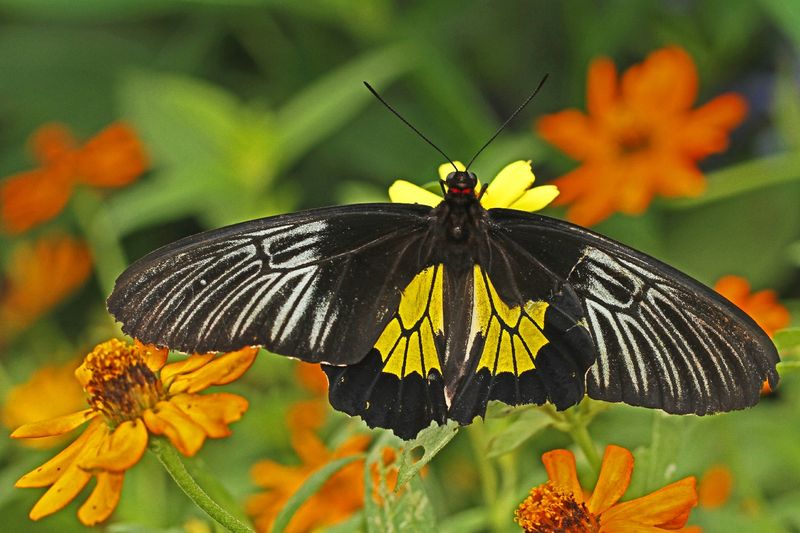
pixel 424 314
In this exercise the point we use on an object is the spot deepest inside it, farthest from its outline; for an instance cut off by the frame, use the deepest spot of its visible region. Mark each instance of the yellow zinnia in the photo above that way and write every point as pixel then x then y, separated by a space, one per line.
pixel 131 393
pixel 511 188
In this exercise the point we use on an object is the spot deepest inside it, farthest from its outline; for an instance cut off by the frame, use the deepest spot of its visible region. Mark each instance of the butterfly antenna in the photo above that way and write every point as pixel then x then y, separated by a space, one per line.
pixel 509 119
pixel 407 123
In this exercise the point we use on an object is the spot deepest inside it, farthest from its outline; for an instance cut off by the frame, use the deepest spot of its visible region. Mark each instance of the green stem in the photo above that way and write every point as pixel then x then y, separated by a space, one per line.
pixel 486 471
pixel 173 464
pixel 580 435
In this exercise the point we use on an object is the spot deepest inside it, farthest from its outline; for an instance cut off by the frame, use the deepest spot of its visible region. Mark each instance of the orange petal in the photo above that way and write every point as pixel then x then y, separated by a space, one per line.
pixel 560 466
pixel 312 377
pixel 51 142
pixel 191 363
pixel 212 412
pixel 573 133
pixel 734 288
pixel 680 178
pixel 154 357
pixel 665 83
pixel 54 426
pixel 48 473
pixel 310 448
pixel 271 474
pixel 113 158
pixel 615 476
pixel 63 491
pixel 185 435
pixel 601 86
pixel 715 487
pixel 222 370
pixel 706 129
pixel 125 447
pixel 668 507
pixel 103 499
pixel 30 198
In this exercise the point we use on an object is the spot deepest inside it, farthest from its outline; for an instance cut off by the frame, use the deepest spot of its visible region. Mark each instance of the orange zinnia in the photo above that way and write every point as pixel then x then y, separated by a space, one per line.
pixel 640 137
pixel 132 393
pixel 39 276
pixel 113 158
pixel 560 504
pixel 715 487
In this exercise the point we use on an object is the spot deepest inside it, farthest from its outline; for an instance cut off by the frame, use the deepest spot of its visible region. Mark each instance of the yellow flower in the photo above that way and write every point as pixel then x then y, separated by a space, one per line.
pixel 131 393
pixel 511 188
pixel 51 391
pixel 560 503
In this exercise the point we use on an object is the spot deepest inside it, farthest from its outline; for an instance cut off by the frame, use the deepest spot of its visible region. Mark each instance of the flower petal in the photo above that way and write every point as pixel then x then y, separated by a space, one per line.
pixel 30 198
pixel 154 357
pixel 536 198
pixel 560 466
pixel 446 168
pixel 509 185
pixel 601 86
pixel 125 447
pixel 52 141
pixel 668 507
pixel 55 426
pixel 405 192
pixel 575 134
pixel 190 364
pixel 615 476
pixel 103 499
pixel 706 128
pixel 61 493
pixel 715 487
pixel 212 412
pixel 665 83
pixel 185 435
pixel 219 371
pixel 48 473
pixel 112 158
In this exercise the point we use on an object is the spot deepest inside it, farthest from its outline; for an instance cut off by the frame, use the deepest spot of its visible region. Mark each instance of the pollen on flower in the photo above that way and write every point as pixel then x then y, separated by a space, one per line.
pixel 547 509
pixel 119 382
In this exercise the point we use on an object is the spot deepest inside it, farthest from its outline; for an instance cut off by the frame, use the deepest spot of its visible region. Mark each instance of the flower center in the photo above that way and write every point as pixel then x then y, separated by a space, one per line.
pixel 633 140
pixel 548 510
pixel 118 381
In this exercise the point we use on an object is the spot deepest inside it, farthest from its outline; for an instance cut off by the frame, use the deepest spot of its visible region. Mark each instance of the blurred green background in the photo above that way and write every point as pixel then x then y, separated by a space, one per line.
pixel 255 107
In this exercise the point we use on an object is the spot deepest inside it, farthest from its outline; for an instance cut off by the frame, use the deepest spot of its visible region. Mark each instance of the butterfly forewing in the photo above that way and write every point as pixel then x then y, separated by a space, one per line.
pixel 318 285
pixel 661 338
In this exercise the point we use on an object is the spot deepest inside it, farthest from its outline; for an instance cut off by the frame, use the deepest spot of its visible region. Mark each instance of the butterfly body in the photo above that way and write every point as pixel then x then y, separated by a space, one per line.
pixel 424 314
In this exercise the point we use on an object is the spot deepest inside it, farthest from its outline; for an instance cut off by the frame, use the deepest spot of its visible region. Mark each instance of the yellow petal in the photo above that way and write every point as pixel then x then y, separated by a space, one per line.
pixel 54 426
pixel 222 370
pixel 124 448
pixel 48 473
pixel 404 192
pixel 212 412
pixel 61 493
pixel 509 185
pixel 536 198
pixel 447 168
pixel 615 476
pixel 190 364
pixel 185 435
pixel 154 357
pixel 103 499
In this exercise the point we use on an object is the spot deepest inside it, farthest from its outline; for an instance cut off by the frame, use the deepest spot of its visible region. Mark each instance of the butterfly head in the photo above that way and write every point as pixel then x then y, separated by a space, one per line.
pixel 461 184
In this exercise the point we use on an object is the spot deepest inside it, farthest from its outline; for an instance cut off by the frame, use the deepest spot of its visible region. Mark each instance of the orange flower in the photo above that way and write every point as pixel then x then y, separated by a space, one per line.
pixel 132 393
pixel 560 505
pixel 715 487
pixel 640 138
pixel 50 391
pixel 340 496
pixel 311 376
pixel 113 158
pixel 39 277
pixel 762 306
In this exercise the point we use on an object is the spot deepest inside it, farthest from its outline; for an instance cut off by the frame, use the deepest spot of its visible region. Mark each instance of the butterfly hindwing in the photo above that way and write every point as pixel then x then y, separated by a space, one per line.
pixel 662 339
pixel 318 285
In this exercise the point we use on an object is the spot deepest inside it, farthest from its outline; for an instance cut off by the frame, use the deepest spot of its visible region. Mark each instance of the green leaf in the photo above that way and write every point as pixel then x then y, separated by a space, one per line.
pixel 323 107
pixel 785 367
pixel 785 15
pixel 528 423
pixel 787 339
pixel 656 464
pixel 432 440
pixel 311 486
pixel 466 521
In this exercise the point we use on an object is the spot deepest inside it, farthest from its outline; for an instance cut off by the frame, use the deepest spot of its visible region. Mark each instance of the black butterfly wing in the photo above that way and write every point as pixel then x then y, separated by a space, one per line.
pixel 319 285
pixel 662 339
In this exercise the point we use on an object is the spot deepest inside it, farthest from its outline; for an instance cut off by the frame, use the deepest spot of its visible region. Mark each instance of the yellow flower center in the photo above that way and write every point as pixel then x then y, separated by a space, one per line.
pixel 118 381
pixel 549 510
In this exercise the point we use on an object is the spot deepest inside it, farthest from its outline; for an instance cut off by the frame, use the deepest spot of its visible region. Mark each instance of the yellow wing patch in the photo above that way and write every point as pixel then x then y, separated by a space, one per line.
pixel 513 335
pixel 407 344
